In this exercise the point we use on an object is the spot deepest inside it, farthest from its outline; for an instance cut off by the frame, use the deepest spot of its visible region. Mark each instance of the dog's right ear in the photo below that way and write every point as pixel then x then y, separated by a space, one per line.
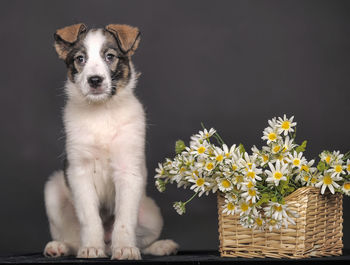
pixel 66 37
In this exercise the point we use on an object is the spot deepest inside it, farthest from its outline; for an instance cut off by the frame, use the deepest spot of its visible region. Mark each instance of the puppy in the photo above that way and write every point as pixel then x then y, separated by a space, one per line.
pixel 97 205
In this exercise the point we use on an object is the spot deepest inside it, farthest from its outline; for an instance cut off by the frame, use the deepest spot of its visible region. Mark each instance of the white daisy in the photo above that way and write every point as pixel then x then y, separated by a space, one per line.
pixel 273 123
pixel 285 125
pixel 327 157
pixel 200 183
pixel 224 184
pixel 243 208
pixel 161 172
pixel 209 165
pixel 251 193
pixel 229 207
pixel 327 180
pixel 238 180
pixel 252 173
pixel 270 135
pixel 275 210
pixel 232 197
pixel 337 169
pixel 275 175
pixel 247 221
pixel 228 153
pixel 219 155
pixel 337 156
pixel 273 224
pixel 348 166
pixel 199 149
pixel 259 222
pixel 205 134
pixel 346 188
pixel 296 159
pixel 288 144
pixel 307 167
pixel 179 207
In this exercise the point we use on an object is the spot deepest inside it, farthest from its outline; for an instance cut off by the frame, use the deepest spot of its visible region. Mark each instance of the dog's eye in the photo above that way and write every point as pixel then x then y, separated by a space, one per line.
pixel 110 57
pixel 80 59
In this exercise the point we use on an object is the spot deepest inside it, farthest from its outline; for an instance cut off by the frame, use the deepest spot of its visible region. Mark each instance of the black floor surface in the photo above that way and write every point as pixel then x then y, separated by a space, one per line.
pixel 183 257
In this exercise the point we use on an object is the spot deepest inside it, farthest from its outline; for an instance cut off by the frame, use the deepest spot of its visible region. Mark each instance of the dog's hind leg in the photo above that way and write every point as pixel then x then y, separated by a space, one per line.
pixel 64 225
pixel 150 225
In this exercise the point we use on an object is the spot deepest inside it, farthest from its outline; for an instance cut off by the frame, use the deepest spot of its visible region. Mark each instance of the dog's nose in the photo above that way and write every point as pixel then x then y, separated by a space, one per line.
pixel 95 81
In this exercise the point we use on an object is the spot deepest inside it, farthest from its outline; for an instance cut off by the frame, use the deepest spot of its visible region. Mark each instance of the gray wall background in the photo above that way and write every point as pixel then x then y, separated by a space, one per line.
pixel 230 64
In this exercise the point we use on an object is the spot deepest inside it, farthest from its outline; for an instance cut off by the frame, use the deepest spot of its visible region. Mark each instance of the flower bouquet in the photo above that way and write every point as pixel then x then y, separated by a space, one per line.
pixel 268 199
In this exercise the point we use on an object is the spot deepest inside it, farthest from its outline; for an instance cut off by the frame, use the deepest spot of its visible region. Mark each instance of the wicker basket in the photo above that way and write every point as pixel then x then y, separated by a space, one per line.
pixel 318 230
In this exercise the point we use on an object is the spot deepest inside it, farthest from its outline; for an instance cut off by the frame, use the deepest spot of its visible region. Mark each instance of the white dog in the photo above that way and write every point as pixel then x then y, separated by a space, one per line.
pixel 97 205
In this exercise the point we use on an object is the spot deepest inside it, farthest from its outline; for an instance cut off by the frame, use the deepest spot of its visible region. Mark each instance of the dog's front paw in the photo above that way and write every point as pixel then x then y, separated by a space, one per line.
pixel 131 253
pixel 91 252
pixel 56 249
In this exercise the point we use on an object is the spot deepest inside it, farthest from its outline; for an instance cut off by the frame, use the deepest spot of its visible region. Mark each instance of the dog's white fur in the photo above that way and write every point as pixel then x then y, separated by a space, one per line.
pixel 105 149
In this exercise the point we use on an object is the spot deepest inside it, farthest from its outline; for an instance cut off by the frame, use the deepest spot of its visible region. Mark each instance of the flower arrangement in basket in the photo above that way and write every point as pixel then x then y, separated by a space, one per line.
pixel 272 202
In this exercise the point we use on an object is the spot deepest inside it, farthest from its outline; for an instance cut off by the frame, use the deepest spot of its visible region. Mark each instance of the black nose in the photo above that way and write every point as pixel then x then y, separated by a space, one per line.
pixel 95 81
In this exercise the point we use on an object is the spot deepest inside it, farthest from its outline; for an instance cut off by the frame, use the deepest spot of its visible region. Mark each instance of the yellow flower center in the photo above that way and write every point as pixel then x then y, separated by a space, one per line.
pixel 251 174
pixel 230 206
pixel 327 180
pixel 285 125
pixel 251 192
pixel 313 180
pixel 210 166
pixel 250 185
pixel 328 159
pixel 306 178
pixel 182 169
pixel 276 148
pixel 305 168
pixel 259 221
pixel 265 158
pixel 278 208
pixel 244 207
pixel 219 158
pixel 348 167
pixel 234 167
pixel 272 136
pixel 278 175
pixel 296 162
pixel 338 168
pixel 239 178
pixel 249 165
pixel 201 150
pixel 280 157
pixel 227 154
pixel 272 222
pixel 347 186
pixel 200 182
pixel 225 183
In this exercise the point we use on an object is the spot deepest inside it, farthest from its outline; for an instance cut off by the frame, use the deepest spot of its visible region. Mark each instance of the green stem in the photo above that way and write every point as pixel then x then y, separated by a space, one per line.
pixel 190 199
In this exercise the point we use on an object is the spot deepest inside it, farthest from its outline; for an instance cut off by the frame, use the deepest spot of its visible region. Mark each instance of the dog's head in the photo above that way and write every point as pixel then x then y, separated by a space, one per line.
pixel 98 60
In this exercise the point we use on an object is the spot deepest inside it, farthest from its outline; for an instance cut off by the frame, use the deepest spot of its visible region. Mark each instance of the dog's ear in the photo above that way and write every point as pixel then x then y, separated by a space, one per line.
pixel 66 37
pixel 128 37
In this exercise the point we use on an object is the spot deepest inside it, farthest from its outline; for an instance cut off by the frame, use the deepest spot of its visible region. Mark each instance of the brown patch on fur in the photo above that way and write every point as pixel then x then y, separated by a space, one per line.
pixel 128 37
pixel 66 37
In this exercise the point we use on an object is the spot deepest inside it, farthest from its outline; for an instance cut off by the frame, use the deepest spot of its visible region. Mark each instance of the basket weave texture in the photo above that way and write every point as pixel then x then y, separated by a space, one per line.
pixel 318 230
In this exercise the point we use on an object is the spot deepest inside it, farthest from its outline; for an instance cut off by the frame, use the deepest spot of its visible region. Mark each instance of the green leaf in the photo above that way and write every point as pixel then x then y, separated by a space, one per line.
pixel 241 149
pixel 321 166
pixel 264 199
pixel 302 147
pixel 274 199
pixel 179 146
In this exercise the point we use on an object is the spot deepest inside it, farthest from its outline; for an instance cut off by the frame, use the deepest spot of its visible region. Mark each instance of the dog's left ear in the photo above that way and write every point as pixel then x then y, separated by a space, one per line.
pixel 128 37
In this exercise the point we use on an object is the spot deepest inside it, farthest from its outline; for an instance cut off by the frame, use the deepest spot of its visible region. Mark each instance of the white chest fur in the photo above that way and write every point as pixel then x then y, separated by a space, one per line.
pixel 91 134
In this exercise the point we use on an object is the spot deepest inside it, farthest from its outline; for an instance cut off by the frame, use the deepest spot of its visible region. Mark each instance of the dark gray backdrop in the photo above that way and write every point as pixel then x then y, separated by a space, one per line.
pixel 230 64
